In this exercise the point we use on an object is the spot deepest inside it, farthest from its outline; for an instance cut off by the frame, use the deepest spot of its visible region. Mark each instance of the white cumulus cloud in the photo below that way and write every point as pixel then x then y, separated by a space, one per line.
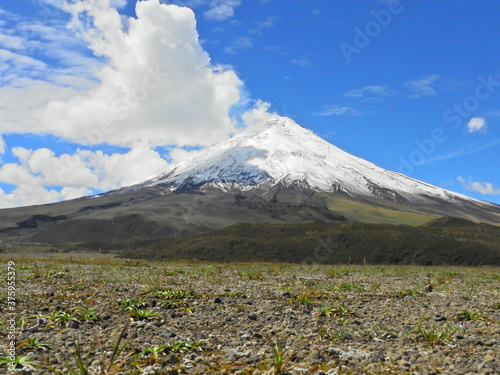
pixel 477 125
pixel 152 84
pixel 485 188
pixel 157 88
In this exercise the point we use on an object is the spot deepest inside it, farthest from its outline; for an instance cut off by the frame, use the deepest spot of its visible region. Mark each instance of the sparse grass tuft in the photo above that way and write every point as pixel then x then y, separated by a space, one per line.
pixel 467 315
pixel 435 334
pixel 341 311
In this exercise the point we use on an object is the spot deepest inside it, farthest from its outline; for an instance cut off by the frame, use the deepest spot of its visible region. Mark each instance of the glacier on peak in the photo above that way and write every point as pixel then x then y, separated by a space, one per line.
pixel 284 152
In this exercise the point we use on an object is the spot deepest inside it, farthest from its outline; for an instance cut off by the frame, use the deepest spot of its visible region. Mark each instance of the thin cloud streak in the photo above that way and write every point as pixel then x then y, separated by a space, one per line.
pixel 468 150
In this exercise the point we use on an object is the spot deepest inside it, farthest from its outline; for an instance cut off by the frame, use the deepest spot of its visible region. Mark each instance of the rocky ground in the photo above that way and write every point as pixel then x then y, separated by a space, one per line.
pixel 112 316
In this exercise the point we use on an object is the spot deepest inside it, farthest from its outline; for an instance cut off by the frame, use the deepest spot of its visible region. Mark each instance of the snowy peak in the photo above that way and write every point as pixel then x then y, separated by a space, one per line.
pixel 286 153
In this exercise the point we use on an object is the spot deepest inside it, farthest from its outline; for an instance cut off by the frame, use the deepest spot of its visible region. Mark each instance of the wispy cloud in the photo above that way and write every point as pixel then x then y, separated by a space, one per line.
pixel 44 49
pixel 370 91
pixel 261 25
pixel 422 86
pixel 467 150
pixel 485 188
pixel 302 61
pixel 339 110
pixel 477 125
pixel 240 43
pixel 275 47
pixel 222 10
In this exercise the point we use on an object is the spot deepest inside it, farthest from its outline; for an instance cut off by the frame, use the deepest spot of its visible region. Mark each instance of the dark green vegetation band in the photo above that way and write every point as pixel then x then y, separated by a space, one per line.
pixel 445 241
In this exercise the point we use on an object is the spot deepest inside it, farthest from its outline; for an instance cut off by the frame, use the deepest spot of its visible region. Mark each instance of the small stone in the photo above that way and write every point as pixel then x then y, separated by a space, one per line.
pixel 440 318
pixel 166 333
pixel 489 358
pixel 73 324
pixel 252 316
pixel 217 300
pixel 287 295
pixel 171 358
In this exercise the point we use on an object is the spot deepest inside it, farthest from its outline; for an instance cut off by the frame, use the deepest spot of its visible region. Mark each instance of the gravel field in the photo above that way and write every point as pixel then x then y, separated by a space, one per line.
pixel 84 314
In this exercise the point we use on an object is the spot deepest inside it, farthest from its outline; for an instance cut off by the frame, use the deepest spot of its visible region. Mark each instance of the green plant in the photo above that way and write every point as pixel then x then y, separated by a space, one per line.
pixel 235 294
pixel 342 334
pixel 279 362
pixel 82 363
pixel 177 294
pixel 173 304
pixel 323 332
pixel 131 304
pixel 35 343
pixel 89 315
pixel 105 369
pixel 62 317
pixel 154 351
pixel 469 315
pixel 383 331
pixel 22 361
pixel 331 310
pixel 143 314
pixel 184 347
pixel 304 299
pixel 433 333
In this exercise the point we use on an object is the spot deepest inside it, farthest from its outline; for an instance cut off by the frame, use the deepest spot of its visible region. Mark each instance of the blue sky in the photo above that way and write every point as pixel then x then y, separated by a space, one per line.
pixel 413 86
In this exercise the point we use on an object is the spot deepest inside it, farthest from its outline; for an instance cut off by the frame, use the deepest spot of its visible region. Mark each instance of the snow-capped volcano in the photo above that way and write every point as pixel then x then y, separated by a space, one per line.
pixel 286 153
pixel 281 174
